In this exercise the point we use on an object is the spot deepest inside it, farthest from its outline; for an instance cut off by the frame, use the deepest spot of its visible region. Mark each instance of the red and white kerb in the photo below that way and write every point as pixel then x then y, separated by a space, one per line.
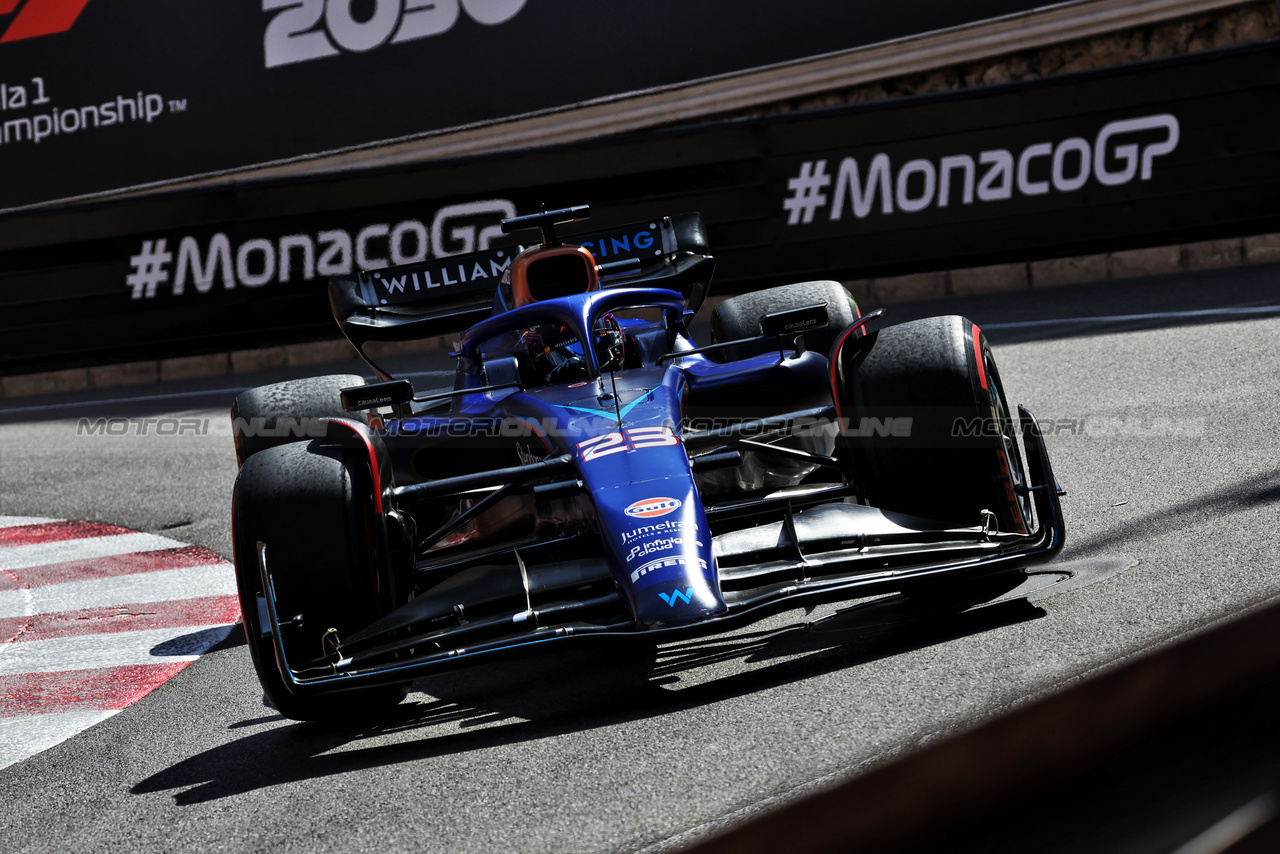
pixel 93 617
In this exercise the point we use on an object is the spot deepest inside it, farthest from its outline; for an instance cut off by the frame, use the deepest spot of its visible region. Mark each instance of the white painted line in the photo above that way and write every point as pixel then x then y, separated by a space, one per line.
pixel 144 398
pixel 114 400
pixel 87 548
pixel 115 649
pixel 15 521
pixel 1224 835
pixel 25 736
pixel 1236 311
pixel 191 582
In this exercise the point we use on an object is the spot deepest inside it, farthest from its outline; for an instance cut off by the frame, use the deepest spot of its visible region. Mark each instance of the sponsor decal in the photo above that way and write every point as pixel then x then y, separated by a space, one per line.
pixel 38 18
pixel 650 508
pixel 625 244
pixel 685 596
pixel 663 563
pixel 304 30
pixel 658 544
pixel 661 536
pixel 254 263
pixel 665 527
pixel 425 280
pixel 1122 152
pixel 526 455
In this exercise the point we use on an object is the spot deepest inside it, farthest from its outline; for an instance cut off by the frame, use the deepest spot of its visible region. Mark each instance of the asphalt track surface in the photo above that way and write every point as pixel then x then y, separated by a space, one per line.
pixel 1162 428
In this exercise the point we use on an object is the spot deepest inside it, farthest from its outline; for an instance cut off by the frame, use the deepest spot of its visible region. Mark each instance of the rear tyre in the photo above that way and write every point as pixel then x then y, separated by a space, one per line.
pixel 739 317
pixel 311 505
pixel 276 414
pixel 958 455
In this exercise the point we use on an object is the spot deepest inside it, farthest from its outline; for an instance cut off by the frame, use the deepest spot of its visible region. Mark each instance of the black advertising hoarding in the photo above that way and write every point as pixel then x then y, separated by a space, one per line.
pixel 100 95
pixel 1153 153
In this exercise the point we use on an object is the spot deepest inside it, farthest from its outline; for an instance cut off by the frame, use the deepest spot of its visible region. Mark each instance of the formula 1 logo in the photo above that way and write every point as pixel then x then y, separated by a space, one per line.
pixel 651 507
pixel 302 30
pixel 39 17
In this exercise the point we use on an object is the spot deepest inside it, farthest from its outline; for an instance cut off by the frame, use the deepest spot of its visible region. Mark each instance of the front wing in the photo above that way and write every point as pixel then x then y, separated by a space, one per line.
pixel 800 561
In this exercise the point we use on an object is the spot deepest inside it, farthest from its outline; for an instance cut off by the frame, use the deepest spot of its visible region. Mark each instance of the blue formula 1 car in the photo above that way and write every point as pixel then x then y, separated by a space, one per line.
pixel 594 473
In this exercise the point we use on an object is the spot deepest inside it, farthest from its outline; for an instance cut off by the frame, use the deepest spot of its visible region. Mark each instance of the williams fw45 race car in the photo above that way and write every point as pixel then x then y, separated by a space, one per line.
pixel 596 474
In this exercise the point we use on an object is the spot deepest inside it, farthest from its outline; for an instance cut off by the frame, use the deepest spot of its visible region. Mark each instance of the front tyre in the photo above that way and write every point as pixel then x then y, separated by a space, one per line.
pixel 928 430
pixel 311 505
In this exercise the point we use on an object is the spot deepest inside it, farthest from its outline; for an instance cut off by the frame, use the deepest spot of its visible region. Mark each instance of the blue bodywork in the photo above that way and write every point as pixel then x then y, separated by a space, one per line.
pixel 626 447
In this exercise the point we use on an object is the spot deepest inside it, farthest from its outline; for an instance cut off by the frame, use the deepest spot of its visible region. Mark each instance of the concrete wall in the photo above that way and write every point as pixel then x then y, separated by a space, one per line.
pixel 1222 28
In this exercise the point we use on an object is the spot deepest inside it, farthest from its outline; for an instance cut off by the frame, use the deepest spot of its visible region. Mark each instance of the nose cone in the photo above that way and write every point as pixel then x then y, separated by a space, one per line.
pixel 660 547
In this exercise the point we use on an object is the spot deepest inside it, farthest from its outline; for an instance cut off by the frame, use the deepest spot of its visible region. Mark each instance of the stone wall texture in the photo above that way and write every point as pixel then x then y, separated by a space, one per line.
pixel 1223 28
pixel 1052 272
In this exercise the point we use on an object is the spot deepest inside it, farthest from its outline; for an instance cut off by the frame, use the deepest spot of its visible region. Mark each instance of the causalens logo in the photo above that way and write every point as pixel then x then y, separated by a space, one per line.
pixel 38 17
pixel 303 30
pixel 1122 152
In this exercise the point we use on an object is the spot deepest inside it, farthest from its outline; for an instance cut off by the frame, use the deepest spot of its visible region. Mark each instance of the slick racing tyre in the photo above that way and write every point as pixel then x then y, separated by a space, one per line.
pixel 310 504
pixel 926 427
pixel 739 317
pixel 276 414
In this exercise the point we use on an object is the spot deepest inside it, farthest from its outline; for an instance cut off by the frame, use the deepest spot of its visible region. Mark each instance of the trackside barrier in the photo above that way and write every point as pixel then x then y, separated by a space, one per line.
pixel 997 180
pixel 1102 760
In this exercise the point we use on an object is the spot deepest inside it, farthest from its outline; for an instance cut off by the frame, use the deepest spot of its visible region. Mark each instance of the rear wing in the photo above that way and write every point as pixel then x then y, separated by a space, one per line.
pixel 448 295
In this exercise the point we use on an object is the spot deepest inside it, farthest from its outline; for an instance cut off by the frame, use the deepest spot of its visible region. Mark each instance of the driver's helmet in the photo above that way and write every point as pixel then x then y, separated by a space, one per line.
pixel 546 272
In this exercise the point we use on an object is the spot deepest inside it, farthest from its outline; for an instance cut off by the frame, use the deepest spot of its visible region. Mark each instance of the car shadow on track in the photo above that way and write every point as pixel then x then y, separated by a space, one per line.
pixel 1241 496
pixel 582 689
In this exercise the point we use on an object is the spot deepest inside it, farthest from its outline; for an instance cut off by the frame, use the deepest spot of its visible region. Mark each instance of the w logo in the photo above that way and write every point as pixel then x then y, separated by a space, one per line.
pixel 684 595
pixel 39 17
